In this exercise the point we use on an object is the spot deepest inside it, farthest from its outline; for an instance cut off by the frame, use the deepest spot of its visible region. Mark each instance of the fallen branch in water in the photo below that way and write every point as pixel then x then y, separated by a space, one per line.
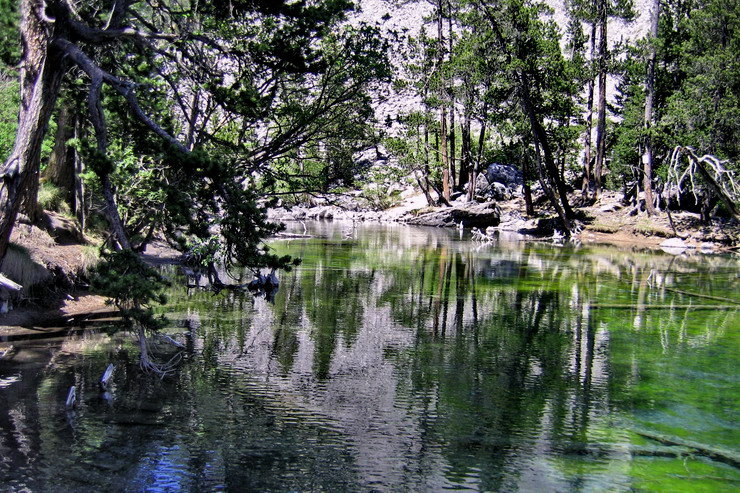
pixel 707 296
pixel 663 307
pixel 721 455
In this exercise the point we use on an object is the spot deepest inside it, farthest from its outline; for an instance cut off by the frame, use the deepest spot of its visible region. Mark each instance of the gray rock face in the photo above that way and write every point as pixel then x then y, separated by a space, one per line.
pixel 504 174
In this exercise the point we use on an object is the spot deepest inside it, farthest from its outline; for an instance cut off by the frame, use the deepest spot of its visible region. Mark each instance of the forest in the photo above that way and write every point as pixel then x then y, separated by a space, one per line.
pixel 190 119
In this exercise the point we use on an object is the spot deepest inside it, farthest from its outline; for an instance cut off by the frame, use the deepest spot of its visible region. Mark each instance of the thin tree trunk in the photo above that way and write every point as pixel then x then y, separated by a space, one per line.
pixel 547 171
pixel 443 153
pixel 647 157
pixel 60 170
pixel 443 111
pixel 587 173
pixel 193 120
pixel 601 123
pixel 424 180
pixel 479 155
pixel 465 164
pixel 454 176
pixel 79 186
pixel 527 188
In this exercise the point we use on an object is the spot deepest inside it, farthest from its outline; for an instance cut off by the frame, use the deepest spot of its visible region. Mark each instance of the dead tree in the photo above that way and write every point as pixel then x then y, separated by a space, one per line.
pixel 706 173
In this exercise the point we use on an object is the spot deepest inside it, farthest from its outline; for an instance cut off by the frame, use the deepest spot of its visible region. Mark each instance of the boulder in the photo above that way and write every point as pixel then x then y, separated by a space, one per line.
pixel 471 215
pixel 505 174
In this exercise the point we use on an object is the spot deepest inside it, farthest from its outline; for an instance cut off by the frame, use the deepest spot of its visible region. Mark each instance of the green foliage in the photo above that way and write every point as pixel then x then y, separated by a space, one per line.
pixel 704 110
pixel 629 134
pixel 9 103
pixel 204 252
pixel 10 41
pixel 381 198
pixel 132 287
pixel 697 86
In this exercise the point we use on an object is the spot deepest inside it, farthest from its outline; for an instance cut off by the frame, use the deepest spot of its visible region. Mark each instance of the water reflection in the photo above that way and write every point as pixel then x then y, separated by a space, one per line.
pixel 400 359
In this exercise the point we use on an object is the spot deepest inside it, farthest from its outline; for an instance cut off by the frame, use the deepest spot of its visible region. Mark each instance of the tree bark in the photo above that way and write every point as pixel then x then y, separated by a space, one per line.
pixel 443 112
pixel 443 153
pixel 587 172
pixel 465 161
pixel 479 155
pixel 60 169
pixel 601 122
pixel 647 157
pixel 457 178
pixel 41 74
pixel 423 181
pixel 547 171
pixel 528 203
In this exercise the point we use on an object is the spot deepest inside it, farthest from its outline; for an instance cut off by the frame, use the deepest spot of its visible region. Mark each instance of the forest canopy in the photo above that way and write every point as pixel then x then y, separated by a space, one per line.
pixel 190 118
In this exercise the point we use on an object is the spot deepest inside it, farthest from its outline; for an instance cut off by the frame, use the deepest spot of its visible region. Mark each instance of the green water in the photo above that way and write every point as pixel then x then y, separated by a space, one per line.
pixel 402 359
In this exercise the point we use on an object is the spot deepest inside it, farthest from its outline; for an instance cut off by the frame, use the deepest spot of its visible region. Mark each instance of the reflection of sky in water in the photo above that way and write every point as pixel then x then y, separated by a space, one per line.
pixel 407 360
pixel 7 381
pixel 164 469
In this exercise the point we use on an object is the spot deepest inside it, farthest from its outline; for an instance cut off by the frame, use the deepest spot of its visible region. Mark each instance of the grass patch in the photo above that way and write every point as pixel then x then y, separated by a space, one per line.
pixel 649 228
pixel 604 227
pixel 20 267
pixel 90 258
pixel 52 198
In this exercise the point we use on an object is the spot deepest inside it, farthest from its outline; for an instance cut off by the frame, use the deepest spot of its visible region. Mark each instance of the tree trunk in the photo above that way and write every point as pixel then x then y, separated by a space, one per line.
pixel 527 188
pixel 79 186
pixel 601 123
pixel 457 178
pixel 479 155
pixel 60 170
pixel 647 157
pixel 193 120
pixel 424 180
pixel 547 171
pixel 465 162
pixel 443 111
pixel 41 74
pixel 443 153
pixel 587 174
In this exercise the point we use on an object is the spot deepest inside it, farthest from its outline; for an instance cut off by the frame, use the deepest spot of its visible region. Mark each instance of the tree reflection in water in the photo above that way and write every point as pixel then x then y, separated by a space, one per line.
pixel 405 359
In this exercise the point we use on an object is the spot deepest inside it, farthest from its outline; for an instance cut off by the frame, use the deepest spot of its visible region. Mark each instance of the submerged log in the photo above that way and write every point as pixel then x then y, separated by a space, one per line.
pixel 9 285
pixel 706 296
pixel 715 453
pixel 629 306
pixel 107 376
pixel 71 397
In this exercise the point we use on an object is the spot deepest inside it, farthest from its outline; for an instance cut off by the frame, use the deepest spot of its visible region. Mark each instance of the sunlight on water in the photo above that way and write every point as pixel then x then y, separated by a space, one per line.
pixel 403 359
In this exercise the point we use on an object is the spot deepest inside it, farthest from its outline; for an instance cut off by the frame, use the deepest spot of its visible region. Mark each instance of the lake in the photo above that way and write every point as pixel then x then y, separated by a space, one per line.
pixel 402 359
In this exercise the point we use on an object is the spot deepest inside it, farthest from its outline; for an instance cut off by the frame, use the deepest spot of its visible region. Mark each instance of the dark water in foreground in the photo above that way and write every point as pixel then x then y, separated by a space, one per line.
pixel 400 359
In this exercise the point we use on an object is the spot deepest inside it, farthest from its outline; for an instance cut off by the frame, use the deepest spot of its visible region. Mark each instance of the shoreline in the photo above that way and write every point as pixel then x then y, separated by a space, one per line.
pixel 608 224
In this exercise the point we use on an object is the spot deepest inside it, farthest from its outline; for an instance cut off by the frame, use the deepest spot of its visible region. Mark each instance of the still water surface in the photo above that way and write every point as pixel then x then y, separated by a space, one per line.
pixel 402 359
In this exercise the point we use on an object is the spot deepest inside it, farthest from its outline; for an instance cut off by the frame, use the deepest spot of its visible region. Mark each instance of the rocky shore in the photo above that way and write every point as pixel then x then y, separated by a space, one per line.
pixel 610 220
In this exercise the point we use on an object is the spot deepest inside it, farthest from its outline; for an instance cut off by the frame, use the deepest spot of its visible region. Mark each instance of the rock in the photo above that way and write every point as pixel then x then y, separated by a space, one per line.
pixel 499 191
pixel 674 246
pixel 674 243
pixel 472 215
pixel 611 207
pixel 504 174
